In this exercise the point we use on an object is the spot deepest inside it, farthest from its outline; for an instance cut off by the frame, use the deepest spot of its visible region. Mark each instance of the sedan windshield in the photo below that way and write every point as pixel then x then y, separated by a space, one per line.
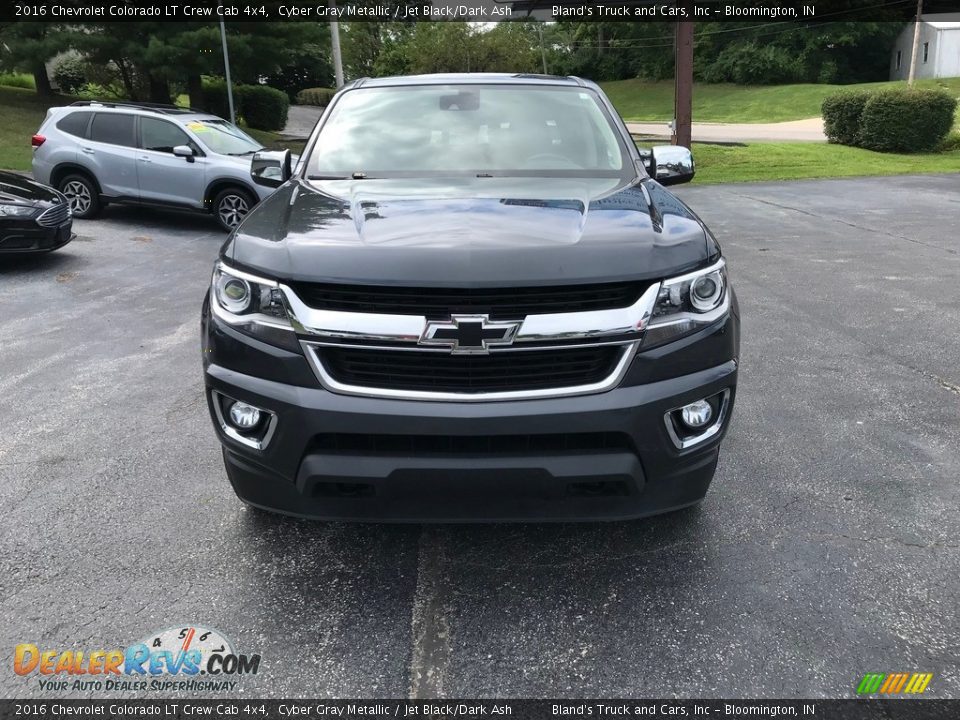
pixel 495 130
pixel 221 137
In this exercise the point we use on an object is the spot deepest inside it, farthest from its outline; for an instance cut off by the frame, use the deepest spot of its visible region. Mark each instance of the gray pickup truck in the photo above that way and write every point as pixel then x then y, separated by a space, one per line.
pixel 473 300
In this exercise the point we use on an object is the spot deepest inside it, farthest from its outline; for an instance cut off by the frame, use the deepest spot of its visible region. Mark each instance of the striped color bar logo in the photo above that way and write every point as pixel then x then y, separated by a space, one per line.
pixel 894 683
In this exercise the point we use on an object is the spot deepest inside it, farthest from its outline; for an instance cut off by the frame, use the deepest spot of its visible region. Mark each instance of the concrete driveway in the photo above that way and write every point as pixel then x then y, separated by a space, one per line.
pixel 300 121
pixel 808 130
pixel 826 548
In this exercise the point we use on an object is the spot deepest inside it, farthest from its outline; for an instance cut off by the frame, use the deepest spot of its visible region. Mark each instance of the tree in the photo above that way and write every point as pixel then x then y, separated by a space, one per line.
pixel 151 57
pixel 27 46
pixel 364 42
pixel 510 47
pixel 440 47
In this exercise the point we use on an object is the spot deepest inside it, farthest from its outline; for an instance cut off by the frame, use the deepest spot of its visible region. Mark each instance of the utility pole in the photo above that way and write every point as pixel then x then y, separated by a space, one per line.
pixel 226 67
pixel 543 52
pixel 683 86
pixel 335 42
pixel 916 44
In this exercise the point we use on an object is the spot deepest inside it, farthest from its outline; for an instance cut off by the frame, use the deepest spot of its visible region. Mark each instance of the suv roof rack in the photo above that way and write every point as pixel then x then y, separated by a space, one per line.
pixel 156 107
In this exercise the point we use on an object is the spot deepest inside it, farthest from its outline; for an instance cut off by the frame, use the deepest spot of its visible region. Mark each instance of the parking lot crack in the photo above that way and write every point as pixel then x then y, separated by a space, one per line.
pixel 430 628
pixel 943 383
pixel 892 540
pixel 947 385
pixel 848 223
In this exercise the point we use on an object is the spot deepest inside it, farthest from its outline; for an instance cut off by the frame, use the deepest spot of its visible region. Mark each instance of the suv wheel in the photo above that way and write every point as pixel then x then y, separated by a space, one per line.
pixel 82 194
pixel 231 206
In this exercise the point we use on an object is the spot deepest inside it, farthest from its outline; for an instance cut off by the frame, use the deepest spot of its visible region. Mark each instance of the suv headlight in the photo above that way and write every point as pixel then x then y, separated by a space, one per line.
pixel 688 303
pixel 252 305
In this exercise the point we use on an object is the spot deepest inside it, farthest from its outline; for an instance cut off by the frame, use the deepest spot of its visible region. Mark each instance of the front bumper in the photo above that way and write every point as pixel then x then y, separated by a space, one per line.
pixel 26 236
pixel 606 456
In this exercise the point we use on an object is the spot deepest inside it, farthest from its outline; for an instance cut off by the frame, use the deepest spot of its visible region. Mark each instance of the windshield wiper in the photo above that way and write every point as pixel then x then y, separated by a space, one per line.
pixel 247 152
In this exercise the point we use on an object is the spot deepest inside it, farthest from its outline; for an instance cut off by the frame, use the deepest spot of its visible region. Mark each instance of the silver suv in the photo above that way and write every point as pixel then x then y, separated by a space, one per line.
pixel 97 153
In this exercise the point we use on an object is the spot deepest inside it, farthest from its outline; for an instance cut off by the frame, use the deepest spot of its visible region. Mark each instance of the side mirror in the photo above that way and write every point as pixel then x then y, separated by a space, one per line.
pixel 646 159
pixel 271 168
pixel 672 165
pixel 184 151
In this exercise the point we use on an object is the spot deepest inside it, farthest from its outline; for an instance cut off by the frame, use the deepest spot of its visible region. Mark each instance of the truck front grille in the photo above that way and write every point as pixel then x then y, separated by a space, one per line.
pixel 470 374
pixel 513 302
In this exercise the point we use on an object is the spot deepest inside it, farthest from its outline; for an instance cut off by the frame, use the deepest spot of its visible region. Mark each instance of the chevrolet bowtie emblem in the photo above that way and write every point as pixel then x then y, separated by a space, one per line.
pixel 469 334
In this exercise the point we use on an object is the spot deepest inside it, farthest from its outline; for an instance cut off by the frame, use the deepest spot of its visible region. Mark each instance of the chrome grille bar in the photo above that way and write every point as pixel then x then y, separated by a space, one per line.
pixel 374 330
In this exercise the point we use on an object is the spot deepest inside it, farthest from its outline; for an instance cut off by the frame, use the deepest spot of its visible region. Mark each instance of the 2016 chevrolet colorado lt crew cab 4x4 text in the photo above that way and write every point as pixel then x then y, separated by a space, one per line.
pixel 474 299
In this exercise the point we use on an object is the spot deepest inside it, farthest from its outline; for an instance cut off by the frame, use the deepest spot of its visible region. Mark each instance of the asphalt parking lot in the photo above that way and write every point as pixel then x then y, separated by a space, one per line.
pixel 826 548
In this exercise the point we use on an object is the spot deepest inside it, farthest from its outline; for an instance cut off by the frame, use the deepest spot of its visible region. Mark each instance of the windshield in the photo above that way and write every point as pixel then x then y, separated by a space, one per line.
pixel 428 130
pixel 219 136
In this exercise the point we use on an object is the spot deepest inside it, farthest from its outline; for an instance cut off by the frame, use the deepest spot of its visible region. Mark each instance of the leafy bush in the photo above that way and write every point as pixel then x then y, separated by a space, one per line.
pixel 907 120
pixel 320 96
pixel 70 74
pixel 841 115
pixel 952 142
pixel 828 73
pixel 263 107
pixel 96 91
pixel 752 64
pixel 19 80
pixel 215 98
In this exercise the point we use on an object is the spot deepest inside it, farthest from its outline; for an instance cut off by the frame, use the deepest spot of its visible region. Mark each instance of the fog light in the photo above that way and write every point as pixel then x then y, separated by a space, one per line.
pixel 243 416
pixel 696 414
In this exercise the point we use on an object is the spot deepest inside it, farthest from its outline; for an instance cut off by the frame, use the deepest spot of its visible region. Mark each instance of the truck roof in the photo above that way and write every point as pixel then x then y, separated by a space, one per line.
pixel 471 78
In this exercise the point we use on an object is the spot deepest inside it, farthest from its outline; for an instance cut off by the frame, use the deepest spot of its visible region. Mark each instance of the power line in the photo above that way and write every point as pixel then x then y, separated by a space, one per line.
pixel 615 44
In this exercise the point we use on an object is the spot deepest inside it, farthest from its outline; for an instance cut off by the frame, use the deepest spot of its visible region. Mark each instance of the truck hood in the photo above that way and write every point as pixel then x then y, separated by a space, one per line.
pixel 473 232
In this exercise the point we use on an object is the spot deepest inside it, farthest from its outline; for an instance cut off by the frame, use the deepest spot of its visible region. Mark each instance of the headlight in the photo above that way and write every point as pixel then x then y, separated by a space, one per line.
pixel 17 210
pixel 233 293
pixel 688 303
pixel 252 305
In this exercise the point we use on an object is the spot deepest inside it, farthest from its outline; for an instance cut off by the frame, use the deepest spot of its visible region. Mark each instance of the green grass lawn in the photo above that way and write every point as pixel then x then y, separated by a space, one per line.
pixel 639 100
pixel 793 161
pixel 21 112
pixel 275 141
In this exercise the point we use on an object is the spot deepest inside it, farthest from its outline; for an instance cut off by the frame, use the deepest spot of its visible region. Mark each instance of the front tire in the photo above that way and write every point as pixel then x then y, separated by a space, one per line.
pixel 82 194
pixel 231 206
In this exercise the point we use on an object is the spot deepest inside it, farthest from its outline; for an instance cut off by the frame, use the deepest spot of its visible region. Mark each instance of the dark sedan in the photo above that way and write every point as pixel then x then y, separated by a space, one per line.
pixel 34 218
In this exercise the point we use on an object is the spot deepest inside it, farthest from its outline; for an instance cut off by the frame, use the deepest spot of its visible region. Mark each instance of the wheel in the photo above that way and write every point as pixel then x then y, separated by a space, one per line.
pixel 82 193
pixel 231 206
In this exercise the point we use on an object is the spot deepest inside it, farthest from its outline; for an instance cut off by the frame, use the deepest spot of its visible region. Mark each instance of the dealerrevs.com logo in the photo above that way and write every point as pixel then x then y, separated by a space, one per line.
pixel 180 658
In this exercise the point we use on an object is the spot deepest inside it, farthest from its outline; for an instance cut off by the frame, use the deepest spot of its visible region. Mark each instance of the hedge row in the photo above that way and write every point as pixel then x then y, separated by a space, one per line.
pixel 261 107
pixel 315 96
pixel 897 120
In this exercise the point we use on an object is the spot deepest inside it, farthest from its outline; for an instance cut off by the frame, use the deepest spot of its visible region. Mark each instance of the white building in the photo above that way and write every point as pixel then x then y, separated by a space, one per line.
pixel 938 54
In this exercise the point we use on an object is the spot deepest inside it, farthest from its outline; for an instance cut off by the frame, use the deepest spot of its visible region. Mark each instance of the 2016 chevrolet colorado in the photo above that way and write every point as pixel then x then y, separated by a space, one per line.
pixel 473 300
